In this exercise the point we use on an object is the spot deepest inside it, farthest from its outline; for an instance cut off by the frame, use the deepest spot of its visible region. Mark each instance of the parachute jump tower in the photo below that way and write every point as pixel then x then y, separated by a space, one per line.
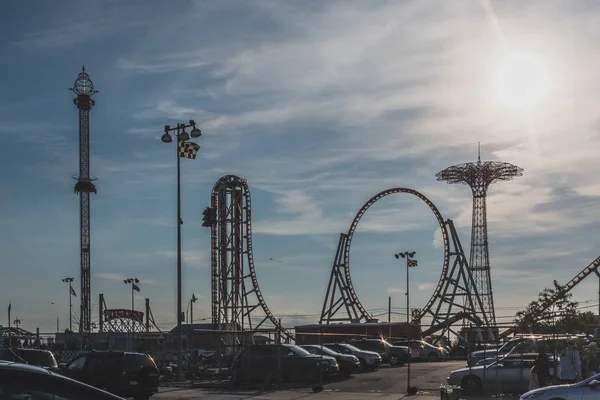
pixel 479 176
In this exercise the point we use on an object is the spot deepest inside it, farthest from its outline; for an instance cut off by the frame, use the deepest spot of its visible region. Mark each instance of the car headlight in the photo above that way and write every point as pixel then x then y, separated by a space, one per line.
pixel 532 395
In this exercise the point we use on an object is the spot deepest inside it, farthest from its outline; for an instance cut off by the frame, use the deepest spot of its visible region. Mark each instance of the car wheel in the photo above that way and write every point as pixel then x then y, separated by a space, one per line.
pixel 363 366
pixel 394 360
pixel 471 384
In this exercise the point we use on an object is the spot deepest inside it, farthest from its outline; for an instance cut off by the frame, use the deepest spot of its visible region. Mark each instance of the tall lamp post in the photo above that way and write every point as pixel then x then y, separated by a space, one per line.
pixel 188 150
pixel 136 288
pixel 71 294
pixel 410 262
pixel 191 307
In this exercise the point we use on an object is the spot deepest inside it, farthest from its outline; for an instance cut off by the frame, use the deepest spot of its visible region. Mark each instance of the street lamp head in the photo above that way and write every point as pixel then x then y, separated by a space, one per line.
pixel 196 133
pixel 412 254
pixel 125 280
pixel 137 280
pixel 166 138
pixel 397 256
pixel 183 136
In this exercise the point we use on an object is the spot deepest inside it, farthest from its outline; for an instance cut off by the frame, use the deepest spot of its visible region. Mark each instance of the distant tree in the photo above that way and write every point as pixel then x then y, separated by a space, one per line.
pixel 560 317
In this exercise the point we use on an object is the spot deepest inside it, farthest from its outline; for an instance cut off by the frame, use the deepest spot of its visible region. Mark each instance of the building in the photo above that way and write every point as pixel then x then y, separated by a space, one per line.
pixel 323 333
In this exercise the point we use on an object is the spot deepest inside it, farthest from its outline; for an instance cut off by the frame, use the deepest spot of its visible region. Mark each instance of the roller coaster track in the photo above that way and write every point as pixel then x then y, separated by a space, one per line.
pixel 231 243
pixel 455 281
pixel 544 306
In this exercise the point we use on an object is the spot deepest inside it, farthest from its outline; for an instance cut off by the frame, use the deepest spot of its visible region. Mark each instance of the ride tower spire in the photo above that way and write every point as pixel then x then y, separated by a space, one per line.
pixel 84 88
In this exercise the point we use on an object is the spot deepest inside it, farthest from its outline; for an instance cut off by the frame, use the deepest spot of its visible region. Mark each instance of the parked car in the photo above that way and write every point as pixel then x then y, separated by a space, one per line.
pixel 525 345
pixel 422 350
pixel 39 358
pixel 369 360
pixel 285 362
pixel 390 354
pixel 510 375
pixel 347 362
pixel 587 389
pixel 122 373
pixel 21 381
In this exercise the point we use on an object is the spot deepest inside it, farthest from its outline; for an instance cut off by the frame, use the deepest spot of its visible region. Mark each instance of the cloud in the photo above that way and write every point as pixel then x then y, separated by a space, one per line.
pixel 393 290
pixel 111 276
pixel 426 286
pixel 195 259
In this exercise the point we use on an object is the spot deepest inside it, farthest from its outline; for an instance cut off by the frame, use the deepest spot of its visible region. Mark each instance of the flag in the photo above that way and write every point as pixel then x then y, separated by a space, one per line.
pixel 72 291
pixel 194 298
pixel 188 149
pixel 136 287
pixel 412 263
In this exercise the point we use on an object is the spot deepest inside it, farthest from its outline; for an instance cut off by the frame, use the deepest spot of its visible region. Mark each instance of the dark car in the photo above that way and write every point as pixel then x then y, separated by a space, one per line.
pixel 369 360
pixel 21 381
pixel 122 373
pixel 38 358
pixel 281 362
pixel 390 354
pixel 347 362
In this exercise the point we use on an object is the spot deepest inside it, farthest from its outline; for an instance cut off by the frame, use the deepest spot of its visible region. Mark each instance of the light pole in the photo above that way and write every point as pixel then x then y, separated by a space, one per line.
pixel 191 307
pixel 134 287
pixel 188 150
pixel 71 293
pixel 410 262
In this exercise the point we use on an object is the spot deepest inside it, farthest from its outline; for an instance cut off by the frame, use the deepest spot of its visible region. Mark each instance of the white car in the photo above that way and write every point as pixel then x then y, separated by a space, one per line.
pixel 587 389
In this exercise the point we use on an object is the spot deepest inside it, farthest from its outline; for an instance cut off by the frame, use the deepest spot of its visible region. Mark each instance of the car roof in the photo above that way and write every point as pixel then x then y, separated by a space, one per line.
pixel 22 367
pixel 33 350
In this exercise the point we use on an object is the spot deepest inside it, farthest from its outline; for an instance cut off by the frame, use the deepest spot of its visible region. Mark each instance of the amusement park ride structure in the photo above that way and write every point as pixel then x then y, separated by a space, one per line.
pixel 479 176
pixel 84 88
pixel 235 291
pixel 238 304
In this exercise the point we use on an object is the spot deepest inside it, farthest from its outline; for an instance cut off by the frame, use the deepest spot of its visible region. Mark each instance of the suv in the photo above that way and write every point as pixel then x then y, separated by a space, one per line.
pixel 369 360
pixel 39 358
pixel 122 373
pixel 285 362
pixel 390 354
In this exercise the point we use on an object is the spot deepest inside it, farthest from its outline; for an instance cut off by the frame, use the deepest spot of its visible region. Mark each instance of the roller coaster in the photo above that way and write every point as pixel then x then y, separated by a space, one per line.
pixel 237 301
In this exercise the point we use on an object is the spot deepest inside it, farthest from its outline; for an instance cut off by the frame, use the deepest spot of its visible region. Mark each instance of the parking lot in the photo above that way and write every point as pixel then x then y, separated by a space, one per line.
pixel 387 382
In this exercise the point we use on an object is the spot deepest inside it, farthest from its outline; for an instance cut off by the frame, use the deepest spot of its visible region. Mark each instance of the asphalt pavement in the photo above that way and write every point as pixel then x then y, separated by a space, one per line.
pixel 383 384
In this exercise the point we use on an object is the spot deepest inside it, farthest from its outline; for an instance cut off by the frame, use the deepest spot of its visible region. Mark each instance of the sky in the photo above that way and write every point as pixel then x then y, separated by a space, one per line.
pixel 319 106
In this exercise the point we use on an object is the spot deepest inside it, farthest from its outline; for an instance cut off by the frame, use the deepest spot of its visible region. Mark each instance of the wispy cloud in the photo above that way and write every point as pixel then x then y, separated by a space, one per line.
pixel 194 259
pixel 112 276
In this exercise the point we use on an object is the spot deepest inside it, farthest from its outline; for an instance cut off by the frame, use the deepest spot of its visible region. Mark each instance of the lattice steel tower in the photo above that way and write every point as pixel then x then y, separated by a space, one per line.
pixel 479 176
pixel 84 88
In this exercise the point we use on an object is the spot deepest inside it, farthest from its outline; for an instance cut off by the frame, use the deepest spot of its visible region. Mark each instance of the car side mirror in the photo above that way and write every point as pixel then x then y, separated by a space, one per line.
pixel 594 383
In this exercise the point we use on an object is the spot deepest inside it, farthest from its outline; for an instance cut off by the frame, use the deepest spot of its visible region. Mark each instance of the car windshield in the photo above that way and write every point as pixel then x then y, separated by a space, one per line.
pixel 327 351
pixel 350 347
pixel 298 350
pixel 38 357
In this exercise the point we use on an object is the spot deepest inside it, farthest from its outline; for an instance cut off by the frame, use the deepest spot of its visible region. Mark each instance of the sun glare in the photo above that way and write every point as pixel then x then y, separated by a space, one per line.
pixel 520 81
